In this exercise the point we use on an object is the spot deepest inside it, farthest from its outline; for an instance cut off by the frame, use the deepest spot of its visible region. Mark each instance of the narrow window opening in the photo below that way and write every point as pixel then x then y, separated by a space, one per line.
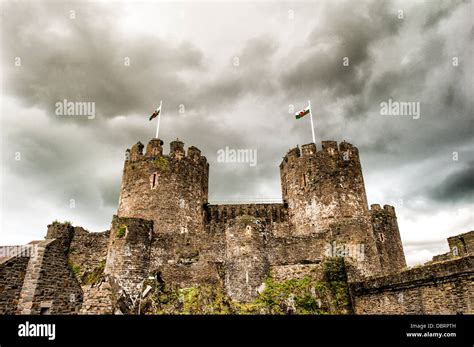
pixel 382 237
pixel 154 180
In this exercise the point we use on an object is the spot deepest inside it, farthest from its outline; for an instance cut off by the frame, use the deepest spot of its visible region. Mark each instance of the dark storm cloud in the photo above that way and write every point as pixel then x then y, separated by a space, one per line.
pixel 82 59
pixel 249 71
pixel 345 31
pixel 457 187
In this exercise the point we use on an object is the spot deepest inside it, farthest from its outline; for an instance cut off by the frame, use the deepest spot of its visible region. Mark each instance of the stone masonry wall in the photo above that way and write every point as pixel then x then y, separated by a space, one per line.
pixel 441 288
pixel 50 285
pixel 12 275
pixel 325 193
pixel 246 262
pixel 170 190
pixel 88 252
pixel 128 256
pixel 387 236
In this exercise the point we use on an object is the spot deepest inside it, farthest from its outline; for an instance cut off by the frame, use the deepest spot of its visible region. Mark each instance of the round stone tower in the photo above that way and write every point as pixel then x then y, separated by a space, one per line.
pixel 325 194
pixel 168 189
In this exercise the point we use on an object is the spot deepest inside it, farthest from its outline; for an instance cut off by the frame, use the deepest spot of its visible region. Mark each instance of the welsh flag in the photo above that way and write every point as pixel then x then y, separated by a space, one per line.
pixel 156 113
pixel 303 112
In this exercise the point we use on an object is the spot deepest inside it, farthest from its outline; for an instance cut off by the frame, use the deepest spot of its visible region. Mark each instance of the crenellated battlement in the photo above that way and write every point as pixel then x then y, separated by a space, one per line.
pixel 154 150
pixel 344 151
pixel 388 209
pixel 271 213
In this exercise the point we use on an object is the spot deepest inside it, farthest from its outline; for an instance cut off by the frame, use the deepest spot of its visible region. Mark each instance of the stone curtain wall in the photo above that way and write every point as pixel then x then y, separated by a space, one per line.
pixel 441 288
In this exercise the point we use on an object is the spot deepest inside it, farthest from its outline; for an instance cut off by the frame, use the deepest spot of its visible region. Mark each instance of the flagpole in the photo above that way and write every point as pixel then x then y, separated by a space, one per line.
pixel 159 118
pixel 311 117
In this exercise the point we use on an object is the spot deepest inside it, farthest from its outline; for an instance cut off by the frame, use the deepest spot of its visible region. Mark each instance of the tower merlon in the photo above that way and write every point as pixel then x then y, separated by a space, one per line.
pixel 308 149
pixel 177 149
pixel 194 153
pixel 330 147
pixel 389 209
pixel 375 207
pixel 136 153
pixel 154 148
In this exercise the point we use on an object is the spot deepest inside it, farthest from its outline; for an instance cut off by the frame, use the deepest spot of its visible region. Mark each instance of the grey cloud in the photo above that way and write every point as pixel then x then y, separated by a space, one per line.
pixel 456 187
pixel 87 64
pixel 348 33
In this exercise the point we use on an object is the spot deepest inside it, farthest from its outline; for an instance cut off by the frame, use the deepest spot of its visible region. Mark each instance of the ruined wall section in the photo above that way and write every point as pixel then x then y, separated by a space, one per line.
pixel 441 288
pixel 326 199
pixel 50 285
pixel 87 254
pixel 128 256
pixel 459 246
pixel 462 245
pixel 12 275
pixel 253 242
pixel 387 236
pixel 246 261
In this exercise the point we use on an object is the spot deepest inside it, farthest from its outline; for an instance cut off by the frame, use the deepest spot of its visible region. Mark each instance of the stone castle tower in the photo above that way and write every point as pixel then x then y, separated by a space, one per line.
pixel 325 194
pixel 167 228
pixel 167 235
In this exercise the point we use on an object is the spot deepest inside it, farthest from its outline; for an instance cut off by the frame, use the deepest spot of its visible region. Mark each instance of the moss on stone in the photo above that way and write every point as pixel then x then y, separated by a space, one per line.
pixel 74 267
pixel 161 163
pixel 121 231
pixel 95 276
pixel 304 295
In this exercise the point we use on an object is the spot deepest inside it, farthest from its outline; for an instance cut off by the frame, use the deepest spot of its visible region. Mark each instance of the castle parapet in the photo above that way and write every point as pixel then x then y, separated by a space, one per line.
pixel 154 149
pixel 271 213
pixel 345 151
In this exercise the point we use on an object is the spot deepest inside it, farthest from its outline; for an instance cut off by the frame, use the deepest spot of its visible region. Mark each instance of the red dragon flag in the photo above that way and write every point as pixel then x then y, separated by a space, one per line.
pixel 156 113
pixel 303 112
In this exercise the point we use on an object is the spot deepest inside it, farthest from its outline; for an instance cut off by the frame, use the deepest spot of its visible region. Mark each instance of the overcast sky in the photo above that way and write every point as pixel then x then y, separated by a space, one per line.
pixel 237 67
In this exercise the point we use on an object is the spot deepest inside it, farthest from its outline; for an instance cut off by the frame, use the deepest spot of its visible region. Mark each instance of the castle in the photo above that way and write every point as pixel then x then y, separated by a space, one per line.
pixel 166 232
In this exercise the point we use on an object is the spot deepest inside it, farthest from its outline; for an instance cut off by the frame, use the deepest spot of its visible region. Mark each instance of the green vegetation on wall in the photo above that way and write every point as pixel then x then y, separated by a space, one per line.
pixel 304 295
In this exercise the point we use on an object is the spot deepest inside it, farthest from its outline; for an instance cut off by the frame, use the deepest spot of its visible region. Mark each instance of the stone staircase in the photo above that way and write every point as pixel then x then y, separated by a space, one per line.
pixel 33 274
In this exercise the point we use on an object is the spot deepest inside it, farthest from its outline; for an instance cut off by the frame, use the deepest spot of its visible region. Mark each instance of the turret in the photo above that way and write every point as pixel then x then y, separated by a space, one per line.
pixel 325 194
pixel 168 189
pixel 319 186
pixel 387 236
